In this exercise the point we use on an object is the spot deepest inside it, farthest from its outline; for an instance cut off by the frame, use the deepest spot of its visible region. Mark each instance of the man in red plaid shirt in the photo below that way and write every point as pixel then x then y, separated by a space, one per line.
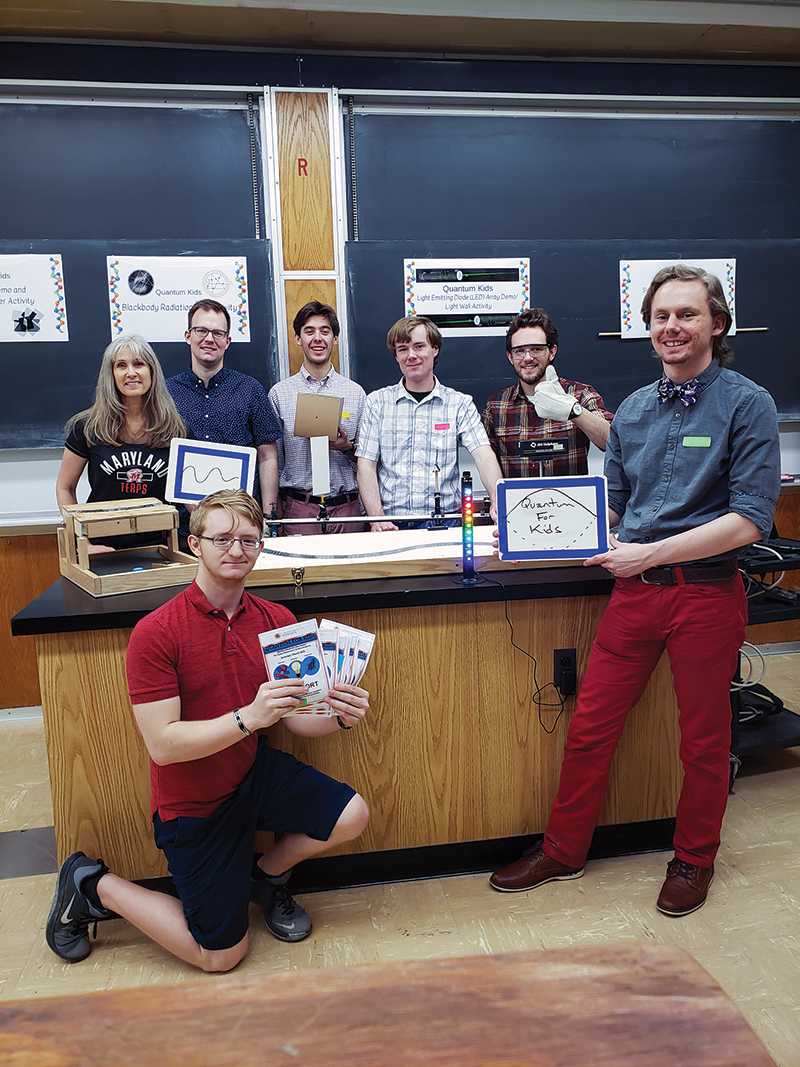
pixel 543 425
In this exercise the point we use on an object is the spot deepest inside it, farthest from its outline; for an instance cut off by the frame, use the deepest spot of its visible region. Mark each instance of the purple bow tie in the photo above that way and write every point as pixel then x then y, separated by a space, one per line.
pixel 687 392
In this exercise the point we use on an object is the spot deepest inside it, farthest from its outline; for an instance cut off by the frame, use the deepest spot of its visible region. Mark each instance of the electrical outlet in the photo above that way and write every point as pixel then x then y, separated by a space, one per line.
pixel 565 671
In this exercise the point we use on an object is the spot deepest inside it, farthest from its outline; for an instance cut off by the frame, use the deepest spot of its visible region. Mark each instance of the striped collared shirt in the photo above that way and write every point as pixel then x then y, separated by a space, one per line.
pixel 294 453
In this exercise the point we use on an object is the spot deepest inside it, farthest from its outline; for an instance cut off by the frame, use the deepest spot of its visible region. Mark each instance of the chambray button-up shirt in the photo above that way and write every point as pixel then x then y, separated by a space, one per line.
pixel 672 468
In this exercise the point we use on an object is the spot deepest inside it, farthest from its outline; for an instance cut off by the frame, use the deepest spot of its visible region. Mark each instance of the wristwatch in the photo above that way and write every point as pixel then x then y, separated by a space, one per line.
pixel 576 410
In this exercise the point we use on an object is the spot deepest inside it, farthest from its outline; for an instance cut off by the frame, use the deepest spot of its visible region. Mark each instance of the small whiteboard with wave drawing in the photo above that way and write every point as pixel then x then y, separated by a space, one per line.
pixel 552 518
pixel 197 468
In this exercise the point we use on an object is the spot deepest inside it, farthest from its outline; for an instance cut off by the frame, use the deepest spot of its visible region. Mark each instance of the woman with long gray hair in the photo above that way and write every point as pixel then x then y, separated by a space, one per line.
pixel 124 437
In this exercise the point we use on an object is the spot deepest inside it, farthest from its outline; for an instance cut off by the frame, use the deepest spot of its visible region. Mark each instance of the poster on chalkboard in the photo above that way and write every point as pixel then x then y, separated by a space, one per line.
pixel 635 276
pixel 33 304
pixel 468 297
pixel 151 295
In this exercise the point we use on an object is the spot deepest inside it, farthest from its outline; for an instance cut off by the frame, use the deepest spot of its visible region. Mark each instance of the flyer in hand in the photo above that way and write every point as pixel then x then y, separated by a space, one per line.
pixel 317 655
pixel 347 660
pixel 295 652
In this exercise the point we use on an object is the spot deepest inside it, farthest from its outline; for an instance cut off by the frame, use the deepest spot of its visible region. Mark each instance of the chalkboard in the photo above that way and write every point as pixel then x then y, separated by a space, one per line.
pixel 578 282
pixel 497 178
pixel 44 383
pixel 576 195
pixel 73 171
pixel 88 181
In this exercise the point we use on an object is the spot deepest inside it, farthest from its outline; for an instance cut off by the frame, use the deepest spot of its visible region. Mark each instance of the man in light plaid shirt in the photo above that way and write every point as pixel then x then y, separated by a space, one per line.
pixel 410 433
pixel 316 329
pixel 543 425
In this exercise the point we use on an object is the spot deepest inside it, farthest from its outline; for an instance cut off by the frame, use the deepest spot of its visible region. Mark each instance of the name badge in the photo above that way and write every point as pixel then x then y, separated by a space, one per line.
pixel 541 448
pixel 696 442
pixel 441 426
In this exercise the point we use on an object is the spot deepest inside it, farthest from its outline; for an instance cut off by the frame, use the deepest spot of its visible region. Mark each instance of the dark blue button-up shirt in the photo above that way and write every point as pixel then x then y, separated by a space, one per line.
pixel 232 409
pixel 672 468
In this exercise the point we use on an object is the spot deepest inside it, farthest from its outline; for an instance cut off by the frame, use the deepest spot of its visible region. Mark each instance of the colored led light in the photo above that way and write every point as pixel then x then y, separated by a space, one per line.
pixel 467 521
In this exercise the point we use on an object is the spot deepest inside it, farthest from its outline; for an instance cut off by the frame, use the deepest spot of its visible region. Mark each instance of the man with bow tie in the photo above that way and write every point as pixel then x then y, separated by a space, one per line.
pixel 693 469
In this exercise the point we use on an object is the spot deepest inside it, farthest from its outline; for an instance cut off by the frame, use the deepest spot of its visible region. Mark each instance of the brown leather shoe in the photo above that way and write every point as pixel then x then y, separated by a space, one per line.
pixel 533 869
pixel 685 888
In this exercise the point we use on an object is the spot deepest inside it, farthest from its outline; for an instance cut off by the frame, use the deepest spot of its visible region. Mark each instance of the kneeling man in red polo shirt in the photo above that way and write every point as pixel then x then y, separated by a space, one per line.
pixel 196 678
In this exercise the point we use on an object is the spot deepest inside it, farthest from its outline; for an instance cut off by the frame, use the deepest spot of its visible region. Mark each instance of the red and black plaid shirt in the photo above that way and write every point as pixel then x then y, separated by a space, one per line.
pixel 510 418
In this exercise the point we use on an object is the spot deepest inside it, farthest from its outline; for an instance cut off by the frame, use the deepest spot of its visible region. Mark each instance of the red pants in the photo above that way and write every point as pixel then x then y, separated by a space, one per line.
pixel 702 629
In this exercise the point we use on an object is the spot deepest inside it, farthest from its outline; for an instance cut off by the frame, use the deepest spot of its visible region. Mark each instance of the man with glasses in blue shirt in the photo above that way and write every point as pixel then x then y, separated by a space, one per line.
pixel 220 404
pixel 200 694
pixel 693 469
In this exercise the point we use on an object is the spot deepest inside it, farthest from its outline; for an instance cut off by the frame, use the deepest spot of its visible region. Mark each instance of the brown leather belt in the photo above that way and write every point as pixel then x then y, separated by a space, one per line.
pixel 307 498
pixel 693 573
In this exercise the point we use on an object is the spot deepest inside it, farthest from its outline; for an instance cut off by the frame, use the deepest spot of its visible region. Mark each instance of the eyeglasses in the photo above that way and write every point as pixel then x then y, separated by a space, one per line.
pixel 529 350
pixel 203 331
pixel 249 544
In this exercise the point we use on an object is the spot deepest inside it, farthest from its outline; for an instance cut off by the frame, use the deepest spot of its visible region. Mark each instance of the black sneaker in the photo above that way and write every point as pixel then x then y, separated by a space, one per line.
pixel 72 912
pixel 284 917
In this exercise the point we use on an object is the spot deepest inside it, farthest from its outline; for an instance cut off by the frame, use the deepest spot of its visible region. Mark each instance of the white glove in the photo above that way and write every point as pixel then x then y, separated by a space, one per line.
pixel 550 400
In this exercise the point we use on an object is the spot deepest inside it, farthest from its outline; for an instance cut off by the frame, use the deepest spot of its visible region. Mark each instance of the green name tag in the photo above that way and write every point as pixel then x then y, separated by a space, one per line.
pixel 696 442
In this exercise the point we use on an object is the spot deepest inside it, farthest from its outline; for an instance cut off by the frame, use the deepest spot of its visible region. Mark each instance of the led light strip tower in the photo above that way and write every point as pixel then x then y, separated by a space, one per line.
pixel 468 576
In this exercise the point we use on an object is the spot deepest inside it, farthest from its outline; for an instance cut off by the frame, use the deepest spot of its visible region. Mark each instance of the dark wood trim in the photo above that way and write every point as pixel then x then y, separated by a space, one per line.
pixel 464 857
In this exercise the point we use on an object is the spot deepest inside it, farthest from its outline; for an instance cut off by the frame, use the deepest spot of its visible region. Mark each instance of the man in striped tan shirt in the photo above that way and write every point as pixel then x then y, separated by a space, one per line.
pixel 316 329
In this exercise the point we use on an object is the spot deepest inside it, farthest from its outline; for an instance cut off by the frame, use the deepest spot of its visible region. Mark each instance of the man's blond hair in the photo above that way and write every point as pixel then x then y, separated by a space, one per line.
pixel 236 502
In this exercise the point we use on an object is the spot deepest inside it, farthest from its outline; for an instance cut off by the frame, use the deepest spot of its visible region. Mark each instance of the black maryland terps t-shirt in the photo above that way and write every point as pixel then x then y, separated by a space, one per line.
pixel 122 472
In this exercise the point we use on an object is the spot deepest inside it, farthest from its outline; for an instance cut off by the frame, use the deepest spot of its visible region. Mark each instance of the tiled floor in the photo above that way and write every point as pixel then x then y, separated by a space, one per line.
pixel 747 936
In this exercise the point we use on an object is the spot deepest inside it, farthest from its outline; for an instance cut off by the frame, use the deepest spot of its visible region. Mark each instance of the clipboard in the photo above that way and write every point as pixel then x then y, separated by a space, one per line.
pixel 318 416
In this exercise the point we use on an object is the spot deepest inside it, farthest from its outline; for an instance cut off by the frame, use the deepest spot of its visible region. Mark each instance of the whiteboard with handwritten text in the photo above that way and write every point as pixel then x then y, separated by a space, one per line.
pixel 552 518
pixel 197 468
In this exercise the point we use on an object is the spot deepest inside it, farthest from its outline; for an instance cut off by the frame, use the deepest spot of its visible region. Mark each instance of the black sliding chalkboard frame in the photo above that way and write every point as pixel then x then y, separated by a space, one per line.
pixel 494 177
pixel 138 170
pixel 125 170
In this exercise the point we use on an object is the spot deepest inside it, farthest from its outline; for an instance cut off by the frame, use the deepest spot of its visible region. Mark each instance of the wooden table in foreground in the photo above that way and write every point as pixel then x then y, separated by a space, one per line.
pixel 458 759
pixel 574 1007
pixel 452 754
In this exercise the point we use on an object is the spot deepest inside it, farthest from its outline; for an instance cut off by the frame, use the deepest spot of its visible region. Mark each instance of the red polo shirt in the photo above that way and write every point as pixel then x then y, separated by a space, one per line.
pixel 189 649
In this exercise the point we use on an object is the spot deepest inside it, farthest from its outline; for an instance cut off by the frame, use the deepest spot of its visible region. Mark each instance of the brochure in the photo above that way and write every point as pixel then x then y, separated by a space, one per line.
pixel 328 636
pixel 295 652
pixel 330 652
pixel 354 648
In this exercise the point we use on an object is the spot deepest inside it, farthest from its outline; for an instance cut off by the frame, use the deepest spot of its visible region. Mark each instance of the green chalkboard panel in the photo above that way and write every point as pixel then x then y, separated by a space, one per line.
pixel 577 282
pixel 88 180
pixel 576 194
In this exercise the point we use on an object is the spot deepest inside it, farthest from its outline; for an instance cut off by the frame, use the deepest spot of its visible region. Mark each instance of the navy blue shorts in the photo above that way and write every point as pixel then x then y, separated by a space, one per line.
pixel 210 859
